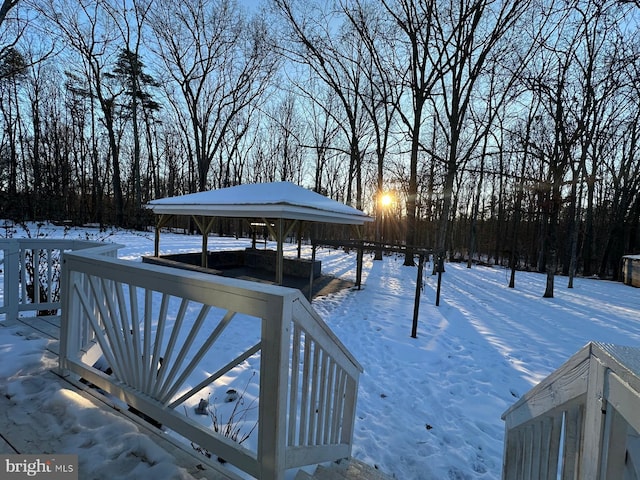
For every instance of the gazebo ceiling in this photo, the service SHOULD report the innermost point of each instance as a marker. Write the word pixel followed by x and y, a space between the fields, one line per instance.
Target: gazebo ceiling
pixel 280 200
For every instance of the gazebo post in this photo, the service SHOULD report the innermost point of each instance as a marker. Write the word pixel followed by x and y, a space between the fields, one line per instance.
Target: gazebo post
pixel 279 234
pixel 280 253
pixel 162 221
pixel 299 238
pixel 313 261
pixel 205 229
pixel 313 234
pixel 156 239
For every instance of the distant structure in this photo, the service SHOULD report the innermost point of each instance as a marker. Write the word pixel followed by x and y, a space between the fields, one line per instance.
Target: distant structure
pixel 631 270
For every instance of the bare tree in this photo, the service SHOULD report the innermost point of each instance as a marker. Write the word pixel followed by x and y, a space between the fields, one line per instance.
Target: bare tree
pixel 620 170
pixel 599 59
pixel 606 61
pixel 575 77
pixel 559 134
pixel 471 41
pixel 325 44
pixel 522 140
pixel 221 64
pixel 382 91
pixel 90 32
pixel 418 68
pixel 14 66
pixel 323 131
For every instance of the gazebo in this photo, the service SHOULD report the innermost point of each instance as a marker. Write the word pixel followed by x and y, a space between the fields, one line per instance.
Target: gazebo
pixel 280 205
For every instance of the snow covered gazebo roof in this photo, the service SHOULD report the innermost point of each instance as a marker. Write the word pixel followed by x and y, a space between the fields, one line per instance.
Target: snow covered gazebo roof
pixel 275 200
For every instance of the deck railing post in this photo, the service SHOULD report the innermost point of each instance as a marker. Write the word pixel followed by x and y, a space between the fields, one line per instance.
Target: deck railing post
pixel 594 421
pixel 11 278
pixel 66 291
pixel 349 414
pixel 274 373
pixel 72 329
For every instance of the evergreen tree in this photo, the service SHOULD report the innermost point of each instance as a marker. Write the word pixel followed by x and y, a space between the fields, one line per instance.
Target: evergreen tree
pixel 129 70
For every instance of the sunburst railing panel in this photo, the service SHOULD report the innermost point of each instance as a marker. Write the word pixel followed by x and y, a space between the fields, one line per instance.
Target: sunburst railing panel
pixel 163 340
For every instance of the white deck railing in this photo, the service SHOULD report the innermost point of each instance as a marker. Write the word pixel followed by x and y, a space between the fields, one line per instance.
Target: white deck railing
pixel 31 270
pixel 159 328
pixel 581 422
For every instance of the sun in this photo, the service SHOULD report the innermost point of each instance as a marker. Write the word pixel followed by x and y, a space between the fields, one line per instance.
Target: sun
pixel 386 200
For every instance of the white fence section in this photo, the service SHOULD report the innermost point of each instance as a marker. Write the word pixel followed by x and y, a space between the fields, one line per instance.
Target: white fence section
pixel 161 332
pixel 31 270
pixel 581 422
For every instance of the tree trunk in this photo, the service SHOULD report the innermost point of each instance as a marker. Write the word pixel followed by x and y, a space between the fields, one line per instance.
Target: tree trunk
pixel 412 194
pixel 574 233
pixel 551 241
pixel 115 160
pixel 517 214
pixel 476 208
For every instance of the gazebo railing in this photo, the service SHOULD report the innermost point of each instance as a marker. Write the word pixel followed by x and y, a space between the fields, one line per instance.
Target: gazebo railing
pixel 159 331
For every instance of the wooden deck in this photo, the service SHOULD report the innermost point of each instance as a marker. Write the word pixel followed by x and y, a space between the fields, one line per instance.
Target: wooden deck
pixel 20 438
pixel 46 327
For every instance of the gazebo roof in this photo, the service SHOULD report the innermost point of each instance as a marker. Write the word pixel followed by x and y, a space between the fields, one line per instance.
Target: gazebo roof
pixel 283 200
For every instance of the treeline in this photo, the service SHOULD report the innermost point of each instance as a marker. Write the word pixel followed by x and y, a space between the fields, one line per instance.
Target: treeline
pixel 507 131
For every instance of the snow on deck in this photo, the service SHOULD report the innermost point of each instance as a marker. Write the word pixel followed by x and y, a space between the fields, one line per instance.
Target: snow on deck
pixel 41 412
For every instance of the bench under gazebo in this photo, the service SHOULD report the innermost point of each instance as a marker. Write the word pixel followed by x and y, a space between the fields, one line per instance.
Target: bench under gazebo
pixel 278 207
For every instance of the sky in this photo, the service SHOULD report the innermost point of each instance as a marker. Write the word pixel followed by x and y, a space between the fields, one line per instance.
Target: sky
pixel 428 408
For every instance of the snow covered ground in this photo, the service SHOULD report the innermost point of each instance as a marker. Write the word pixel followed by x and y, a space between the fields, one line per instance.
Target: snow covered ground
pixel 428 408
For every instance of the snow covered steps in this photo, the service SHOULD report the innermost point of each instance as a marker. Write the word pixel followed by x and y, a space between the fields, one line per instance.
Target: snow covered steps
pixel 351 469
